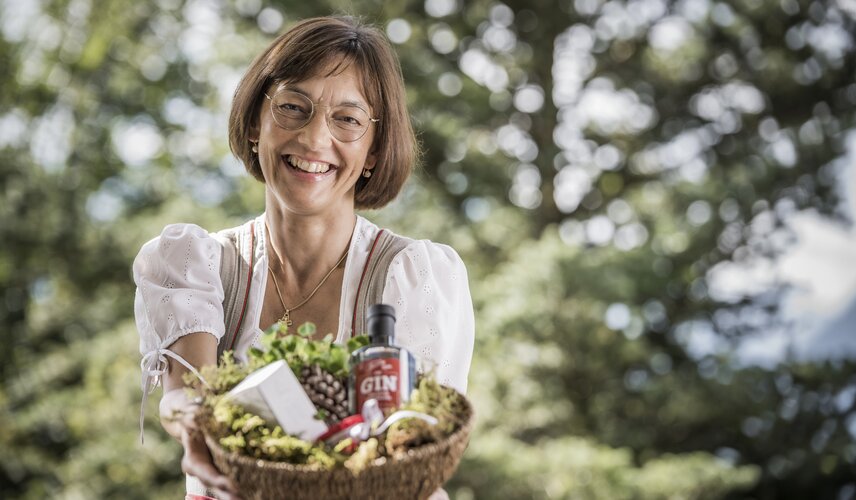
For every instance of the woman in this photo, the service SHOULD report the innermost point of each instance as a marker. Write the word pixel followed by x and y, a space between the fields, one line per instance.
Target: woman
pixel 320 118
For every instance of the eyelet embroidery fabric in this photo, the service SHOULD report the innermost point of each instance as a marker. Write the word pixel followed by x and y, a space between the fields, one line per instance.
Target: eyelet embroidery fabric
pixel 434 308
pixel 186 298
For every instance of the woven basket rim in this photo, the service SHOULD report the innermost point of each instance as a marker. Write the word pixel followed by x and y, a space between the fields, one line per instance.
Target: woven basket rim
pixel 410 455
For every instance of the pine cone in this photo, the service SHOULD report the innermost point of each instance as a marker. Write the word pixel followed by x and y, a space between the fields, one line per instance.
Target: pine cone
pixel 326 391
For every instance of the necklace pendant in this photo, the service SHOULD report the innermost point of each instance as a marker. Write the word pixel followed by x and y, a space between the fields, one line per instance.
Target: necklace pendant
pixel 286 318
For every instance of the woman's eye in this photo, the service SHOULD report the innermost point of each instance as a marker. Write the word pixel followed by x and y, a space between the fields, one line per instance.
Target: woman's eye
pixel 291 108
pixel 349 120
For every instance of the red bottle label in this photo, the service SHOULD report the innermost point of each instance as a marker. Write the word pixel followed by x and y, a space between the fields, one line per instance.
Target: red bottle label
pixel 379 379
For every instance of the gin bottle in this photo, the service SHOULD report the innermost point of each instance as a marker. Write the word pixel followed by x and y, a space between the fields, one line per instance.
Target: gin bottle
pixel 381 370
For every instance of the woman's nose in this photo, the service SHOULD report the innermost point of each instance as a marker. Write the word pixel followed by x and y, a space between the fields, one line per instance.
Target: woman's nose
pixel 316 134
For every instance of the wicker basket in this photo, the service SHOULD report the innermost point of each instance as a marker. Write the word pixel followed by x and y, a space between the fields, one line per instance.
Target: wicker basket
pixel 415 475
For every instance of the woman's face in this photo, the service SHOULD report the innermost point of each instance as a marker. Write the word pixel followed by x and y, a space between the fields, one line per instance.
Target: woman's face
pixel 309 171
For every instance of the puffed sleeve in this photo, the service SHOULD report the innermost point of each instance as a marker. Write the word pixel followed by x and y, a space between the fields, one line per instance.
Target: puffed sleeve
pixel 179 290
pixel 427 284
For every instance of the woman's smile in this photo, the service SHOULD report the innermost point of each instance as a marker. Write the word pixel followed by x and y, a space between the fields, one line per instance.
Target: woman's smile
pixel 311 166
pixel 302 169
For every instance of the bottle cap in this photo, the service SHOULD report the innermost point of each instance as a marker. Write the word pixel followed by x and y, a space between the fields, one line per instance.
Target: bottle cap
pixel 380 321
pixel 380 310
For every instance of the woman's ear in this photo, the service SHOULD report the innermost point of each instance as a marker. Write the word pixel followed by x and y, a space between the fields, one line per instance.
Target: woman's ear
pixel 253 134
pixel 253 137
pixel 371 160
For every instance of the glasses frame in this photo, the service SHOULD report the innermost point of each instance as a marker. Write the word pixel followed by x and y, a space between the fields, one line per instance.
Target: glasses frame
pixel 316 105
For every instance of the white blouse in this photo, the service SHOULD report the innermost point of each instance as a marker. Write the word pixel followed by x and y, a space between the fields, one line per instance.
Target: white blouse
pixel 179 291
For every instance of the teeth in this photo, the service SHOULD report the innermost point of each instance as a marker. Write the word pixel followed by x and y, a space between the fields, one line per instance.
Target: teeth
pixel 308 166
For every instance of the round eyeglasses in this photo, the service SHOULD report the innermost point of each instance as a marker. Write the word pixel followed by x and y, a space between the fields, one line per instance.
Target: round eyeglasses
pixel 292 111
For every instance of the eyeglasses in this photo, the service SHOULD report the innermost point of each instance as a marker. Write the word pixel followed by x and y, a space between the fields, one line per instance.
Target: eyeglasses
pixel 292 111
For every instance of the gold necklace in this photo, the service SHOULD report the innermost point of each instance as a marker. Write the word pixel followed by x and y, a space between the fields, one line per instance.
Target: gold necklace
pixel 286 316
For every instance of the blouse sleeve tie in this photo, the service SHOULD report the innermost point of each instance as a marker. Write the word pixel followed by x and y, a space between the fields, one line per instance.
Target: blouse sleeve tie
pixel 153 365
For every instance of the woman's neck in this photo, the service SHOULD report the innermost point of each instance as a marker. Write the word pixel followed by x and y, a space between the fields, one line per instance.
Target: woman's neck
pixel 303 248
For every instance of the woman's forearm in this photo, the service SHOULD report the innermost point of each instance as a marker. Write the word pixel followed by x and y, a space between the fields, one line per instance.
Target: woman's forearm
pixel 198 349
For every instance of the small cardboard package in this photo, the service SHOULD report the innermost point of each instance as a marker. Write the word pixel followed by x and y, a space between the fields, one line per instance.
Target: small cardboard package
pixel 275 394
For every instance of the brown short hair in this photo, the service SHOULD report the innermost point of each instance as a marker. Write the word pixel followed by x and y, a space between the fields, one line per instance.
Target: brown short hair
pixel 302 52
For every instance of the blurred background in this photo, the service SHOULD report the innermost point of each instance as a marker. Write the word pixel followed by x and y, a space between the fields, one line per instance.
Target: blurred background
pixel 655 201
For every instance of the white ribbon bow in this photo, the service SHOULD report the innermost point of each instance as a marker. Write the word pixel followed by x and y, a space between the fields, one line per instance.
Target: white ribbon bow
pixel 154 364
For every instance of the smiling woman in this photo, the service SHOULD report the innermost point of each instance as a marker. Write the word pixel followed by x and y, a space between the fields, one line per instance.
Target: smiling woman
pixel 319 118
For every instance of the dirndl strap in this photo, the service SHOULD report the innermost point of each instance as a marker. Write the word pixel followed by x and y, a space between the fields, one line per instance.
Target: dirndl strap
pixel 236 273
pixel 373 279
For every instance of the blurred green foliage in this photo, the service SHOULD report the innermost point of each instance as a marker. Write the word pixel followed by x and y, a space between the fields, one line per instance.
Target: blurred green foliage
pixel 592 161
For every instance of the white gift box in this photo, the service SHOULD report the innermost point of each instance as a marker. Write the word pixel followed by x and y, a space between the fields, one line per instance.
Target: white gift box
pixel 275 394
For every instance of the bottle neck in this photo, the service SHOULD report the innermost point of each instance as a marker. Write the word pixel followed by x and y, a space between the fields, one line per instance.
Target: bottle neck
pixel 381 339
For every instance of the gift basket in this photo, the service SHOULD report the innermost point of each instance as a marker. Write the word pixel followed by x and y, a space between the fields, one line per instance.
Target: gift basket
pixel 312 419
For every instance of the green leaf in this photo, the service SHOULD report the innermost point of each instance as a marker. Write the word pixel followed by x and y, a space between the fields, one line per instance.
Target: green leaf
pixel 307 329
pixel 355 343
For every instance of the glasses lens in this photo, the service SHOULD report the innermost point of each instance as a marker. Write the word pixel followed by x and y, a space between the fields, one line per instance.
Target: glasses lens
pixel 293 110
pixel 348 123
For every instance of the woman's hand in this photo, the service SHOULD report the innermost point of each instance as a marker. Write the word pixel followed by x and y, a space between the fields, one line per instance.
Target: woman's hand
pixel 198 463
